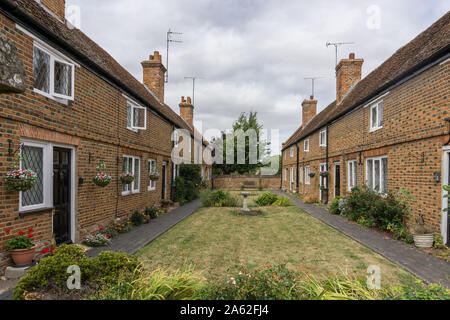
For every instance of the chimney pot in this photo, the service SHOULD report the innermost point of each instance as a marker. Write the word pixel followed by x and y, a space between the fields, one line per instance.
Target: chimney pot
pixel 351 56
pixel 311 98
pixel 189 100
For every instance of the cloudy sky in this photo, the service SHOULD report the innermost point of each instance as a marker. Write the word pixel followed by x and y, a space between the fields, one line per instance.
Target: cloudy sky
pixel 253 55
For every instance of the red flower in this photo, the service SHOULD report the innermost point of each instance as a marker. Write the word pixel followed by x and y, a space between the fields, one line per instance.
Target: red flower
pixel 21 233
pixel 45 250
pixel 100 229
pixel 30 229
pixel 8 231
pixel 30 235
pixel 108 236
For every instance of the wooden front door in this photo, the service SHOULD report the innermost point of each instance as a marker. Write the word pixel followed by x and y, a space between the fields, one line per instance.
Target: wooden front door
pixel 163 180
pixel 337 180
pixel 61 195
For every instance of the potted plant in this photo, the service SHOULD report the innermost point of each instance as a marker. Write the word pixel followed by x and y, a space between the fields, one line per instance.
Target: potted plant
pixel 102 179
pixel 127 177
pixel 423 236
pixel 154 176
pixel 21 248
pixel 20 179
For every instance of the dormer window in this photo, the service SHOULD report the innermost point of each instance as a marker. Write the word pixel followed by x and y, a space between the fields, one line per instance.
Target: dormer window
pixel 53 75
pixel 136 117
pixel 376 116
pixel 323 138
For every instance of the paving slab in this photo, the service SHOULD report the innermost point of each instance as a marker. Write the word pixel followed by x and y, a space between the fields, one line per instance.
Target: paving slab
pixel 421 264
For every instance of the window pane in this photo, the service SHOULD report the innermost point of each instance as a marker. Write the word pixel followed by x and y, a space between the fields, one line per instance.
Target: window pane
pixel 385 175
pixel 136 174
pixel 33 160
pixel 374 117
pixel 41 70
pixel 354 174
pixel 125 169
pixel 63 78
pixel 350 173
pixel 128 116
pixel 380 114
pixel 377 185
pixel 370 174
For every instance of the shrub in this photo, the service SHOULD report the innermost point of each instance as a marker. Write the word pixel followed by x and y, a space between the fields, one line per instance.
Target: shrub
pixel 153 212
pixel 266 199
pixel 50 275
pixel 310 200
pixel 137 218
pixel 270 283
pixel 334 206
pixel 188 184
pixel 180 285
pixel 372 210
pixel 282 201
pixel 418 291
pixel 218 198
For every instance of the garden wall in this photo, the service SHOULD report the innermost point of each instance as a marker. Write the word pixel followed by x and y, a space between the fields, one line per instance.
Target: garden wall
pixel 251 181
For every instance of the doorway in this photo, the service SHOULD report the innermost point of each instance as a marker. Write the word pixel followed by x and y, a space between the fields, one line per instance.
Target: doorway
pixel 62 194
pixel 337 179
pixel 446 201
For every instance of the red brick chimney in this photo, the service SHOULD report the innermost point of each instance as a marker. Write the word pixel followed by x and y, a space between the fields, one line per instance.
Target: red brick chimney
pixel 58 7
pixel 309 110
pixel 187 111
pixel 154 72
pixel 348 73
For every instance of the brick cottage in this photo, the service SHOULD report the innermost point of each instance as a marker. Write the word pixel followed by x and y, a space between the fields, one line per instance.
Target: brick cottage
pixel 67 105
pixel 387 131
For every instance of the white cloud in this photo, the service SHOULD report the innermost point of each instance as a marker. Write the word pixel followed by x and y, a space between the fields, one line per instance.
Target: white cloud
pixel 251 54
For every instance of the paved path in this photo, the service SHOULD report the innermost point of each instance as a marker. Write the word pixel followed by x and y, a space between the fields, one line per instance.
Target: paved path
pixel 423 265
pixel 139 237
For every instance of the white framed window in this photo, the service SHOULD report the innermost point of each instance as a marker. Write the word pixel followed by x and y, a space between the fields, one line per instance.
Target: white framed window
pixel 351 174
pixel 306 145
pixel 285 174
pixel 151 169
pixel 323 138
pixel 376 116
pixel 37 157
pixel 301 175
pixel 307 177
pixel 292 152
pixel 376 174
pixel 132 164
pixel 292 174
pixel 54 77
pixel 136 117
pixel 175 138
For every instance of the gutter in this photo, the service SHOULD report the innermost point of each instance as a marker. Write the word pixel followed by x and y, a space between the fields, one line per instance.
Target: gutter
pixel 13 12
pixel 424 65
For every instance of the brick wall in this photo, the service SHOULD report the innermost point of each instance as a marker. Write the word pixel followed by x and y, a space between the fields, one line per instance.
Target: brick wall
pixel 235 181
pixel 412 138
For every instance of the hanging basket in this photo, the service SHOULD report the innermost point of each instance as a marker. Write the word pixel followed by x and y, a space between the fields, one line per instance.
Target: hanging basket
pixel 324 174
pixel 127 178
pixel 21 179
pixel 154 176
pixel 102 179
pixel 312 175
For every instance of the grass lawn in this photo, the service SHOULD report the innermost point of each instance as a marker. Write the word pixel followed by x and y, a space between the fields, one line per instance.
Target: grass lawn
pixel 215 239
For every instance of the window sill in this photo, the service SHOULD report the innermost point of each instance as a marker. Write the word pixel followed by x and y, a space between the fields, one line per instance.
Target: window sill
pixel 49 96
pixel 375 129
pixel 24 213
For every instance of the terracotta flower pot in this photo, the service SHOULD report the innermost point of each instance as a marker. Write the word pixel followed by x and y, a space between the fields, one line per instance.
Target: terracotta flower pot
pixel 23 257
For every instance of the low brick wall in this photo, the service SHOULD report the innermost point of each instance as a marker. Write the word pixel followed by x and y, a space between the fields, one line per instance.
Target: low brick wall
pixel 250 181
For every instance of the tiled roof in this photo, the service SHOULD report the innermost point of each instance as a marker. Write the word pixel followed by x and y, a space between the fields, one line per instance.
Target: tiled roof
pixel 434 40
pixel 87 47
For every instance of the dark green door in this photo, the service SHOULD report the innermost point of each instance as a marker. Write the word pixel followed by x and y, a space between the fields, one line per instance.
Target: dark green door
pixel 61 195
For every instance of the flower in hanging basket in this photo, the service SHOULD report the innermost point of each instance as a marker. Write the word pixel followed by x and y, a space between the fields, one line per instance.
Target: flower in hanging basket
pixel 21 179
pixel 324 174
pixel 311 175
pixel 154 176
pixel 127 177
pixel 102 179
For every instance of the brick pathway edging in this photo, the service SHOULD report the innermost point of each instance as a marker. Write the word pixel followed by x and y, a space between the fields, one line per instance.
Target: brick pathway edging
pixel 421 264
